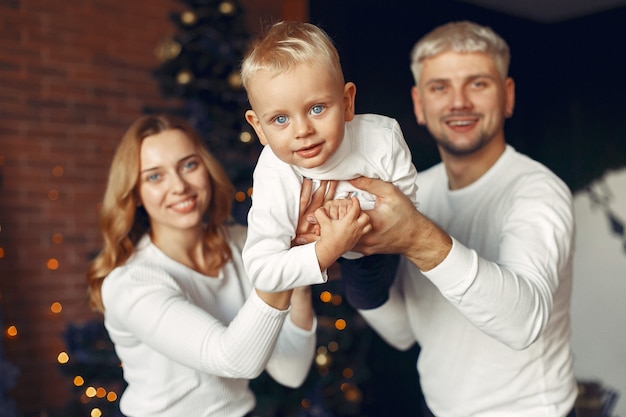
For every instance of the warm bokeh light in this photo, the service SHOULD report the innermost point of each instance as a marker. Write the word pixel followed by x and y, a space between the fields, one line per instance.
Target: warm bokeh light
pixel 336 301
pixel 56 307
pixel 12 331
pixel 333 346
pixel 52 264
pixel 111 397
pixel 347 373
pixel 245 137
pixel 340 324
pixel 250 192
pixel 326 296
pixel 227 8
pixel 1 252
pixel 53 195
pixel 101 392
pixel 57 171
pixel 353 395
pixel 63 357
pixel 57 238
pixel 96 412
pixel 79 381
pixel 90 392
pixel 240 196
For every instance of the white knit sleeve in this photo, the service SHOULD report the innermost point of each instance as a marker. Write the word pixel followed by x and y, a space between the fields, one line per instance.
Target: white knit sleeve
pixel 148 303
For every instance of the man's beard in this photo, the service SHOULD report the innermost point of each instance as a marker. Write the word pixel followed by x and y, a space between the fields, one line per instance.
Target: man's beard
pixel 468 148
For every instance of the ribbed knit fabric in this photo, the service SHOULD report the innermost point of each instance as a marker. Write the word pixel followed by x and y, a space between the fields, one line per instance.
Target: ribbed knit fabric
pixel 492 319
pixel 189 343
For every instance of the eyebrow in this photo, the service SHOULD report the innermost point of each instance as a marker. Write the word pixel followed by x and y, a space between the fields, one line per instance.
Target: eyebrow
pixel 181 160
pixel 470 77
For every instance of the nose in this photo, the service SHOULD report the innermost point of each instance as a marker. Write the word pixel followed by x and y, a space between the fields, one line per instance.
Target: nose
pixel 303 127
pixel 178 183
pixel 460 99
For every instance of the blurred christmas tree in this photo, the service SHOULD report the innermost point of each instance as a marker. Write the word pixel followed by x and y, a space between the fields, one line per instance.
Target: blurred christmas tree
pixel 8 378
pixel 94 368
pixel 199 70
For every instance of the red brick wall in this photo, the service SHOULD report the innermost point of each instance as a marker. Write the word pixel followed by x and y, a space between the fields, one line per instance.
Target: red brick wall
pixel 73 75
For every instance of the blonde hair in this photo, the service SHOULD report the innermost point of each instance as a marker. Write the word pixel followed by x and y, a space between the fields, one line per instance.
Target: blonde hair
pixel 286 45
pixel 461 36
pixel 123 222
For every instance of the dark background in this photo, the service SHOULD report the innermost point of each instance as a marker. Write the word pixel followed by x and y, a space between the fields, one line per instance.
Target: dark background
pixel 570 77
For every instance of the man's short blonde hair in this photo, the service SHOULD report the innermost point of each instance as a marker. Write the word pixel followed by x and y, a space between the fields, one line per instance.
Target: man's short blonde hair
pixel 461 36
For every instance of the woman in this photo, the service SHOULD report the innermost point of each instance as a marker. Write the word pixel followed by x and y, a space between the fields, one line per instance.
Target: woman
pixel 187 325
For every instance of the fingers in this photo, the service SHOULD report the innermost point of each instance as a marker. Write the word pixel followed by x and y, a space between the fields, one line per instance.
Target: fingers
pixel 373 186
pixel 305 193
pixel 332 189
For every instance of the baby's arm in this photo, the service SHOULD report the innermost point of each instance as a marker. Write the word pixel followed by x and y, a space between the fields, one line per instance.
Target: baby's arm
pixel 342 224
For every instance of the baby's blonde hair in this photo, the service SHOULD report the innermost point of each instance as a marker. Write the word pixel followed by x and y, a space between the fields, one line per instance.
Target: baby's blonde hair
pixel 286 45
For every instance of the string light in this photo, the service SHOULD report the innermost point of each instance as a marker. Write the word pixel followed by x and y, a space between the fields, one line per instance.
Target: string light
pixel 53 195
pixel 245 137
pixel 340 324
pixel 227 8
pixel 52 264
pixel 63 358
pixel 184 77
pixel 11 331
pixel 56 307
pixel 188 18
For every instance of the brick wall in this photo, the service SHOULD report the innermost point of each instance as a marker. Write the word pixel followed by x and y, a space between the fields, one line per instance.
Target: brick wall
pixel 73 75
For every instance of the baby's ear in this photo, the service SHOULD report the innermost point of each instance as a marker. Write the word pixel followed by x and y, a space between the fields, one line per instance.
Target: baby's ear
pixel 253 120
pixel 349 93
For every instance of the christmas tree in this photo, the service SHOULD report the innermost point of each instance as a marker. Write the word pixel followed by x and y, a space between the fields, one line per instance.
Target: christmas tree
pixel 8 378
pixel 200 71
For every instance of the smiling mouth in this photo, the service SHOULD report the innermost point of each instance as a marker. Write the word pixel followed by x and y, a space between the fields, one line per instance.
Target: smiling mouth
pixel 460 122
pixel 184 205
pixel 310 151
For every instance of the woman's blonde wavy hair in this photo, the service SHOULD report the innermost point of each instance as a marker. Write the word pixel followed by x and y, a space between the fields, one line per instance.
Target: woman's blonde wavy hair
pixel 123 221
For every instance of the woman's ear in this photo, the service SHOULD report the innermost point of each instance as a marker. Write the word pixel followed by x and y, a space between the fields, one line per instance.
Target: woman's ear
pixel 253 121
pixel 349 93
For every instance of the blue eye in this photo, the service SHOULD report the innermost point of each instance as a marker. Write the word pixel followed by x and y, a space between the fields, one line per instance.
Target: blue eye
pixel 190 165
pixel 153 177
pixel 317 109
pixel 281 120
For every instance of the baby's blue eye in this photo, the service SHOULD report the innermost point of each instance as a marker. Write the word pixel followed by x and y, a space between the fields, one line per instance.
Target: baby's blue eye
pixel 153 177
pixel 281 120
pixel 317 109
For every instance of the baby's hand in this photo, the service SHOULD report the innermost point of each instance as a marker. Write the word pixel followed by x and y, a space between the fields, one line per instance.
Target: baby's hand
pixel 338 209
pixel 342 224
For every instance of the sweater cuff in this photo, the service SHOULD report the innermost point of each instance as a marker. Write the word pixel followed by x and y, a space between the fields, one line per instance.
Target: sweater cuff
pixel 456 273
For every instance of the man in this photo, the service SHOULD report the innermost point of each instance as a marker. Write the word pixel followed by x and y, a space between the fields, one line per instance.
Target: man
pixel 485 281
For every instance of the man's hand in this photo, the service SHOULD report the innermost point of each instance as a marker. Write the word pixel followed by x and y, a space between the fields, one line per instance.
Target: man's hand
pixel 398 227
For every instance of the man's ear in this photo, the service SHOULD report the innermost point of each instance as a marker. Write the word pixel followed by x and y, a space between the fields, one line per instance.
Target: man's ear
pixel 253 120
pixel 509 97
pixel 418 108
pixel 349 93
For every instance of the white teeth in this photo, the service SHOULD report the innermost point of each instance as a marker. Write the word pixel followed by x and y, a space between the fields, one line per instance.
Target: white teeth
pixel 184 204
pixel 460 123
